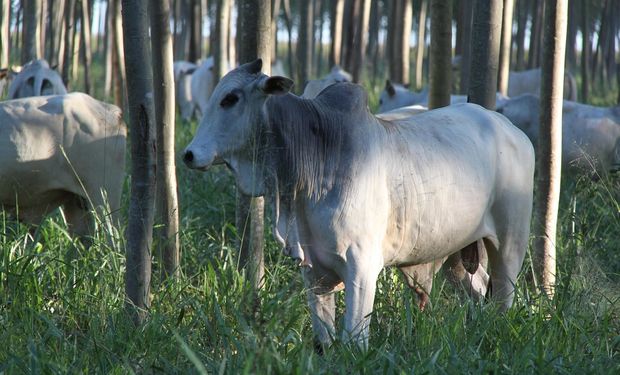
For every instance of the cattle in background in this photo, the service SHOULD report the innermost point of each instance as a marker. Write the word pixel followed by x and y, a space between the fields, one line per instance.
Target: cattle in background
pixel 183 72
pixel 61 150
pixel 590 135
pixel 36 79
pixel 528 82
pixel 396 96
pixel 314 87
pixel 354 193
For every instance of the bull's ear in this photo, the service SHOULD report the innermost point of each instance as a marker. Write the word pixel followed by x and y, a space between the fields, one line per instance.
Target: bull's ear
pixel 276 85
pixel 390 88
pixel 253 67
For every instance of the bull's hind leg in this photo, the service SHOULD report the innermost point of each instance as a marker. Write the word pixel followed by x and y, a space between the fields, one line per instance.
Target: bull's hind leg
pixel 505 263
pixel 466 269
pixel 420 279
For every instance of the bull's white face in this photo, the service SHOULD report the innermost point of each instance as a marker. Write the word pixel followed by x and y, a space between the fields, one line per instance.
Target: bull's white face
pixel 230 130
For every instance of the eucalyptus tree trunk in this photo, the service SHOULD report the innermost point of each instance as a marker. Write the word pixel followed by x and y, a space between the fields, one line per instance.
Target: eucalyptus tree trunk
pixel 486 32
pixel 275 12
pixel 5 41
pixel 118 58
pixel 288 19
pixel 505 44
pixel 550 144
pixel 522 12
pixel 571 34
pixel 337 15
pixel 143 164
pixel 465 68
pixel 55 46
pixel 167 206
pixel 404 52
pixel 319 38
pixel 419 54
pixel 586 48
pixel 440 54
pixel 195 31
pixel 535 35
pixel 75 58
pixel 108 50
pixel 86 45
pixel 304 41
pixel 361 39
pixel 31 32
pixel 220 47
pixel 255 43
pixel 69 46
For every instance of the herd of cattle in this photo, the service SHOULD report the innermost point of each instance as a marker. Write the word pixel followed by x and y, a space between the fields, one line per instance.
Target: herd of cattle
pixel 353 191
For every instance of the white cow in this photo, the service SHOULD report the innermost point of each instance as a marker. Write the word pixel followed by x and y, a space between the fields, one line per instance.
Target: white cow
pixel 529 81
pixel 35 79
pixel 590 135
pixel 62 150
pixel 314 87
pixel 354 193
pixel 395 96
pixel 183 72
pixel 202 85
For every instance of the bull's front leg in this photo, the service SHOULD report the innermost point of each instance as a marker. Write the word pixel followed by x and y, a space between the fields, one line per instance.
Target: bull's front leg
pixel 322 310
pixel 360 286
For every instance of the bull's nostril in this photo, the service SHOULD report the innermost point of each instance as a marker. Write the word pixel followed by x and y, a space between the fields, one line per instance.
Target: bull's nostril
pixel 188 157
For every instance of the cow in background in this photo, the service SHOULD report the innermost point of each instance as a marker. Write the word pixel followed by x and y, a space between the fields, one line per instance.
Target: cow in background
pixel 61 150
pixel 314 87
pixel 183 72
pixel 36 79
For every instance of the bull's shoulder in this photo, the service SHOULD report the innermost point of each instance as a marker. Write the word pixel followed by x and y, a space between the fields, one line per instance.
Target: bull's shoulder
pixel 344 97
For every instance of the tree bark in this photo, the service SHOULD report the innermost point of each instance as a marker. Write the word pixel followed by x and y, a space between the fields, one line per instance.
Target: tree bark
pixel 440 54
pixel 86 45
pixel 419 59
pixel 523 7
pixel 586 48
pixel 69 46
pixel 550 143
pixel 167 208
pixel 5 41
pixel 361 39
pixel 254 43
pixel 195 31
pixel 118 58
pixel 486 34
pixel 336 31
pixel 109 49
pixel 141 205
pixel 466 56
pixel 304 42
pixel 535 36
pixel 505 44
pixel 288 19
pixel 220 48
pixel 31 33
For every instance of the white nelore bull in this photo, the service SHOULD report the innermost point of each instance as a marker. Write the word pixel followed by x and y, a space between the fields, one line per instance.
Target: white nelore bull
pixel 528 82
pixel 354 193
pixel 36 79
pixel 314 87
pixel 63 150
pixel 590 135
pixel 183 72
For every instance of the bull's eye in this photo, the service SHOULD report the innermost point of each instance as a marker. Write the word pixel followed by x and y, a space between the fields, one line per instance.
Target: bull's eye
pixel 229 100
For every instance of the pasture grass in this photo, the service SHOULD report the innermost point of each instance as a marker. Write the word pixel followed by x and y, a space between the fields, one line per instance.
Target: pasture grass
pixel 62 305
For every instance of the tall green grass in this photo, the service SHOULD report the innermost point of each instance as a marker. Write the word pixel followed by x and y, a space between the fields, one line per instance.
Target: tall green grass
pixel 62 305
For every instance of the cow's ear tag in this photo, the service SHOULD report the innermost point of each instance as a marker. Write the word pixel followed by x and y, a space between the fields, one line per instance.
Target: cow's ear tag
pixel 277 85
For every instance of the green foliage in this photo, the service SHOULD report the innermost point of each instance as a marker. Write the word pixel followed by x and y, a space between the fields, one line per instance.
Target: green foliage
pixel 62 305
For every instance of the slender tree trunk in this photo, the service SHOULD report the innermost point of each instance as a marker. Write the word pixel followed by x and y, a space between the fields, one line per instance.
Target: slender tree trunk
pixel 220 47
pixel 487 28
pixel 505 44
pixel 292 69
pixel 195 31
pixel 31 33
pixel 319 54
pixel 275 13
pixel 571 34
pixel 336 32
pixel 586 48
pixel 373 39
pixel 361 39
pixel 466 56
pixel 5 41
pixel 69 47
pixel 42 28
pixel 86 45
pixel 419 59
pixel 118 58
pixel 352 14
pixel 440 53
pixel 523 6
pixel 143 164
pixel 535 36
pixel 304 41
pixel 254 43
pixel 75 58
pixel 232 50
pixel 550 143
pixel 167 207
pixel 109 49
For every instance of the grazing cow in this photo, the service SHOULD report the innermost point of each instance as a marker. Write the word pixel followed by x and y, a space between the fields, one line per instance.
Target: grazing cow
pixel 183 72
pixel 61 150
pixel 314 87
pixel 528 82
pixel 354 193
pixel 396 96
pixel 590 135
pixel 36 79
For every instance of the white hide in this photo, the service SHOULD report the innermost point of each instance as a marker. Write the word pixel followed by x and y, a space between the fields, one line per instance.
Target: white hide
pixel 183 72
pixel 36 79
pixel 314 87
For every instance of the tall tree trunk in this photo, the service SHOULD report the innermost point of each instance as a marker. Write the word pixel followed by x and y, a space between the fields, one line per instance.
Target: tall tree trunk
pixel 109 49
pixel 374 29
pixel 255 43
pixel 31 33
pixel 167 208
pixel 440 54
pixel 220 47
pixel 143 164
pixel 466 56
pixel 75 58
pixel 118 58
pixel 319 52
pixel 361 39
pixel 586 48
pixel 535 35
pixel 304 42
pixel 195 31
pixel 350 26
pixel 86 45
pixel 523 6
pixel 5 41
pixel 69 46
pixel 487 28
pixel 550 143
pixel 571 34
pixel 336 31
pixel 505 44
pixel 419 57
pixel 289 28
pixel 275 13
pixel 42 28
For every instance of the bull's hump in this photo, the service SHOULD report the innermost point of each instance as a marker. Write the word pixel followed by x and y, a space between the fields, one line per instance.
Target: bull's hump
pixel 346 97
